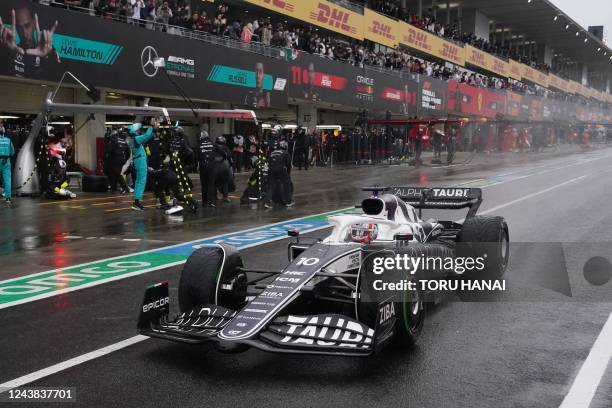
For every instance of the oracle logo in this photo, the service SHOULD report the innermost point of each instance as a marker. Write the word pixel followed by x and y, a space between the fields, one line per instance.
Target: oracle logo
pixel 365 80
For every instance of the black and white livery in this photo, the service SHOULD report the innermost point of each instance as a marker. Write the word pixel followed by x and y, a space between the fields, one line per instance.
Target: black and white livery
pixel 323 301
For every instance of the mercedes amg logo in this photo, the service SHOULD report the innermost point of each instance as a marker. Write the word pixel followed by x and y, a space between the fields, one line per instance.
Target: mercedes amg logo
pixel 147 61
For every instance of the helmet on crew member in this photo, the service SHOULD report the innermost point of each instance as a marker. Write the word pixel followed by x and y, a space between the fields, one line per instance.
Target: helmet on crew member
pixel 135 127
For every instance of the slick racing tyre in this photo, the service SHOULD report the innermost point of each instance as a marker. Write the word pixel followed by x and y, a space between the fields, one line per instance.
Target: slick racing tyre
pixel 408 307
pixel 487 238
pixel 212 276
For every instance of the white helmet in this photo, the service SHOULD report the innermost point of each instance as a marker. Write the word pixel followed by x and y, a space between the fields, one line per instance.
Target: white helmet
pixel 364 233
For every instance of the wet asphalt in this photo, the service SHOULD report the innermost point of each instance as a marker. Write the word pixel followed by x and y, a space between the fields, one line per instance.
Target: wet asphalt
pixel 522 351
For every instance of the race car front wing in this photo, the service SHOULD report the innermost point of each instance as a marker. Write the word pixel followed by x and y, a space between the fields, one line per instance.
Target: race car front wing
pixel 326 334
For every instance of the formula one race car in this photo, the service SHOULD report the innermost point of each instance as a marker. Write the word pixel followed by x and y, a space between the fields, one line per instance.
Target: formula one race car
pixel 323 301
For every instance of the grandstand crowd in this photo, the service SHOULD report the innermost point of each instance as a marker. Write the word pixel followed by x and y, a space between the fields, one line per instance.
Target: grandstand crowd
pixel 220 20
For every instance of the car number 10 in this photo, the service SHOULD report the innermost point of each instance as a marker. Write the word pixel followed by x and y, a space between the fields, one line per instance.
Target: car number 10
pixel 307 261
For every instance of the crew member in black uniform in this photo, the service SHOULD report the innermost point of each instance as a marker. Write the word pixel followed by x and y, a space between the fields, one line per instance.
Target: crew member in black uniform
pixel 117 153
pixel 222 167
pixel 280 187
pixel 300 150
pixel 165 182
pixel 206 149
pixel 180 154
pixel 157 149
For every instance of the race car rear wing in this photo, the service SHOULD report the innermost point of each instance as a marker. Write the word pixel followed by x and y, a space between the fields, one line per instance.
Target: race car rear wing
pixel 436 198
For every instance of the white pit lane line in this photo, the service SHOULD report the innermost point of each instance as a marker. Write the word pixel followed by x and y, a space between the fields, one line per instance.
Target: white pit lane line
pixel 589 377
pixel 64 365
pixel 602 349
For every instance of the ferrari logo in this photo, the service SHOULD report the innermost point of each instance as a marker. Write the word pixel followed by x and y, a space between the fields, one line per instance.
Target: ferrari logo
pixel 479 101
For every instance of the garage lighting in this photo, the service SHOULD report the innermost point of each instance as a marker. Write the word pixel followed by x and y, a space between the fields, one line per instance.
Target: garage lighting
pixel 599 49
pixel 329 127
pixel 577 33
pixel 8 117
pixel 59 123
pixel 567 26
pixel 586 40
pixel 556 18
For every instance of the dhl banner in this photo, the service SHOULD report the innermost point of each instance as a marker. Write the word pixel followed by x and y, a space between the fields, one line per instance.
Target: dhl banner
pixel 528 73
pixel 535 76
pixel 558 83
pixel 542 79
pixel 381 29
pixel 571 86
pixel 332 17
pixel 599 95
pixel 431 44
pixel 486 61
pixel 515 70
pixel 322 13
pixel 583 90
pixel 286 7
pixel 593 93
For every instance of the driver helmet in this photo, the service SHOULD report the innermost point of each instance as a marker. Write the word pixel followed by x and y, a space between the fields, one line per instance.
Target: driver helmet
pixel 364 233
pixel 221 140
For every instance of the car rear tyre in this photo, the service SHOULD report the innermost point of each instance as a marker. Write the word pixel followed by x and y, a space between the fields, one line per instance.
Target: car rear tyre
pixel 207 277
pixel 487 238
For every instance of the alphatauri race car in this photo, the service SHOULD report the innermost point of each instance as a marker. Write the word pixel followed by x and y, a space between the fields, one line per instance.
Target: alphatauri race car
pixel 324 301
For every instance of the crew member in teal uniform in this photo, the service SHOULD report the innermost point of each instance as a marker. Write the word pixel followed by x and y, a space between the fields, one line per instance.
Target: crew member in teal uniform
pixel 6 152
pixel 139 155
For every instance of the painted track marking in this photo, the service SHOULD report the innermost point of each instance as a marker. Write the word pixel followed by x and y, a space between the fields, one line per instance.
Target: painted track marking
pixel 591 373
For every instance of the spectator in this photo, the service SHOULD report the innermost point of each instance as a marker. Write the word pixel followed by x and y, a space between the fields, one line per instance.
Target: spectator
pixel 247 33
pixel 164 14
pixel 266 36
pixel 137 9
pixel 200 22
